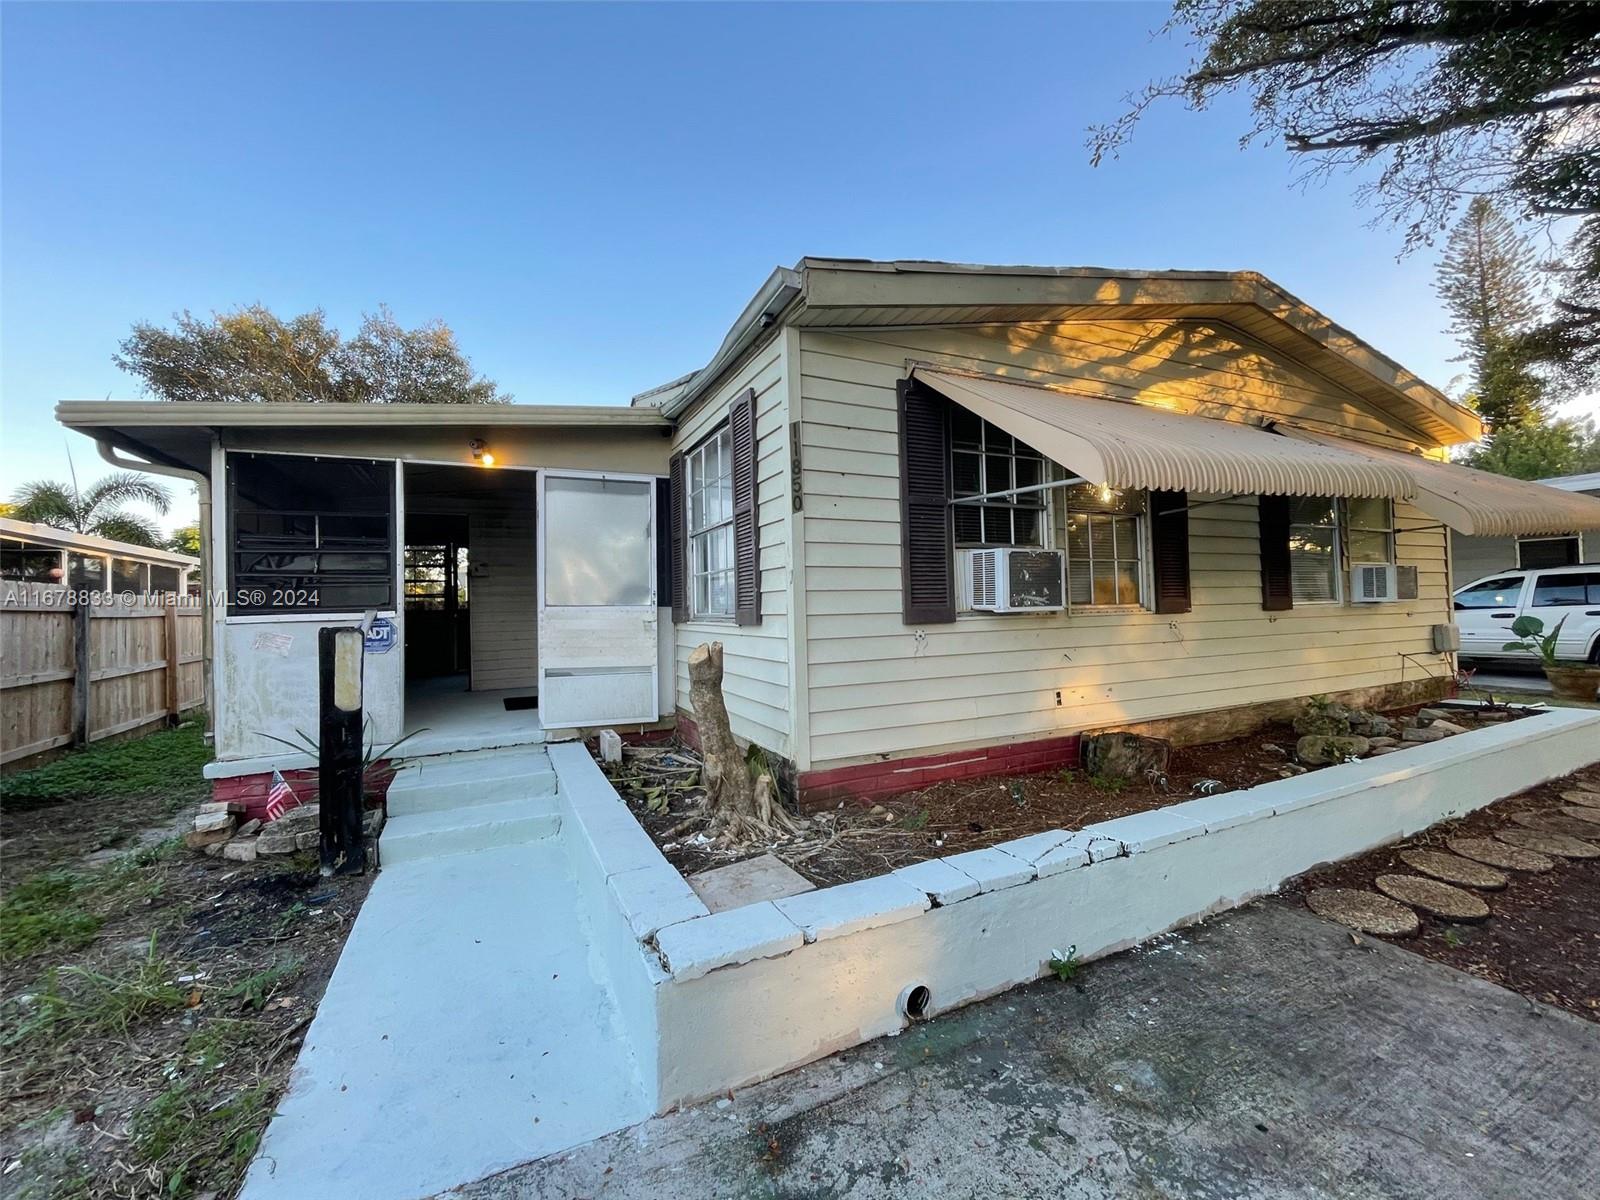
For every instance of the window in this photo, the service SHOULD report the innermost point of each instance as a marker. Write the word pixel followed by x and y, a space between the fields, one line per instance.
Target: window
pixel 1105 539
pixel 1533 553
pixel 127 575
pixel 1327 536
pixel 709 468
pixel 1491 593
pixel 1574 589
pixel 985 459
pixel 87 572
pixel 597 542
pixel 163 580
pixel 310 533
pixel 29 562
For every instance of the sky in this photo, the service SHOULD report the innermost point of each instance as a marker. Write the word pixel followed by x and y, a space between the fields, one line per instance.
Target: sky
pixel 588 195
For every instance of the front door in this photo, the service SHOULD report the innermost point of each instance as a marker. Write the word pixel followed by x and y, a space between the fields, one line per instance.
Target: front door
pixel 597 600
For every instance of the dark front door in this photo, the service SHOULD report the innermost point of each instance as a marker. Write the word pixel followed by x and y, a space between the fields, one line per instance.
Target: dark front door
pixel 438 636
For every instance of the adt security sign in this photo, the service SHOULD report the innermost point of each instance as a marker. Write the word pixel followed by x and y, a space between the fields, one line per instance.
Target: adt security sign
pixel 380 636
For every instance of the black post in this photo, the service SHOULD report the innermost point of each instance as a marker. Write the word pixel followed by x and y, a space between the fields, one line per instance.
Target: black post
pixel 339 656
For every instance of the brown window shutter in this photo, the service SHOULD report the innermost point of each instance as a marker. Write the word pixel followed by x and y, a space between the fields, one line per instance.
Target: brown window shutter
pixel 1169 550
pixel 927 540
pixel 746 532
pixel 1277 587
pixel 677 536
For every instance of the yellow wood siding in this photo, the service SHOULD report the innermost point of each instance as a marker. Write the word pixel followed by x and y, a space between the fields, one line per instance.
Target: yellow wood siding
pixel 876 686
pixel 756 663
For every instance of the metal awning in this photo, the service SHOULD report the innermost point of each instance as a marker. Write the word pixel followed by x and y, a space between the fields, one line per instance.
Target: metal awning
pixel 1126 445
pixel 1476 502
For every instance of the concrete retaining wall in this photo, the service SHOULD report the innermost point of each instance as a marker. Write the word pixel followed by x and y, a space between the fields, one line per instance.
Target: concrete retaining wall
pixel 715 1001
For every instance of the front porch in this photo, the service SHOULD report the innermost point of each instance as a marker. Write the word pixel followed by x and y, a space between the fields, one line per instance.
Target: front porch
pixel 442 716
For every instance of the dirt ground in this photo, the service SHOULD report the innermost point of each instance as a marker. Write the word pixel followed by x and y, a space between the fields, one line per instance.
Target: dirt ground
pixel 153 1000
pixel 857 841
pixel 1542 938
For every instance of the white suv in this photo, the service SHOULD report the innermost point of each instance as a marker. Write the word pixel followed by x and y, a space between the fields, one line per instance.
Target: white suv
pixel 1486 608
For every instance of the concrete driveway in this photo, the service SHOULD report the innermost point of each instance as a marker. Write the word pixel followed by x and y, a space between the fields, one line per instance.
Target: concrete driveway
pixel 1266 1054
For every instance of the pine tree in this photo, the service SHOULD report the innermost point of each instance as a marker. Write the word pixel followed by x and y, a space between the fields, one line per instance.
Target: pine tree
pixel 1488 281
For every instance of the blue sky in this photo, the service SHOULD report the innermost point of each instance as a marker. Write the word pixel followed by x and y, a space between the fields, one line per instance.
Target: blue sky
pixel 588 195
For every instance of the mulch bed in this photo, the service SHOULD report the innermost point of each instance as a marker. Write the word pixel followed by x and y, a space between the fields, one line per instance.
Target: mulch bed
pixel 1542 938
pixel 856 841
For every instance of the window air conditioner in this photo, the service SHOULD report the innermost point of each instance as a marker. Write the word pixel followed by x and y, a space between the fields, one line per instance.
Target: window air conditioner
pixel 1016 580
pixel 1373 583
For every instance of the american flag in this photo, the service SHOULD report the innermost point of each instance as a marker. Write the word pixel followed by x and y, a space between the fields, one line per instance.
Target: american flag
pixel 281 798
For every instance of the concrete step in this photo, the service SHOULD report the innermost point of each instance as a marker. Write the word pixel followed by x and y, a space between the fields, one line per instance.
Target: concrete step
pixel 449 781
pixel 463 830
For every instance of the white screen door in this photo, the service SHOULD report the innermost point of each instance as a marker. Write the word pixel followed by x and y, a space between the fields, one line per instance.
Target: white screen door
pixel 597 600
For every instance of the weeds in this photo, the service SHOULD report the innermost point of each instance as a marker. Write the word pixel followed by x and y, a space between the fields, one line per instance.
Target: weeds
pixel 45 910
pixel 1111 785
pixel 80 999
pixel 915 821
pixel 1064 966
pixel 190 1138
pixel 117 769
pixel 254 991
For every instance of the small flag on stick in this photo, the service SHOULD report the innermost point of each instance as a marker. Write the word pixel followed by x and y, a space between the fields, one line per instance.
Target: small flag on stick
pixel 281 798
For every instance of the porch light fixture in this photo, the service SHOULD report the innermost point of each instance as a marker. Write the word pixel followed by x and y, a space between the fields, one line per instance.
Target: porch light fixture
pixel 480 452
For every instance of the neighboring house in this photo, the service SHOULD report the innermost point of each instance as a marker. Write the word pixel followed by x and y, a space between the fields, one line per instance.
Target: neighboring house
pixel 1209 502
pixel 1476 557
pixel 44 555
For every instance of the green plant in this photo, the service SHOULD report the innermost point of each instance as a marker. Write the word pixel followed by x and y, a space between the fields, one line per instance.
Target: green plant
pixel 1111 785
pixel 81 999
pixel 1452 938
pixel 1064 966
pixel 915 821
pixel 370 754
pixel 255 990
pixel 168 762
pixel 45 910
pixel 191 1139
pixel 1534 640
pixel 756 762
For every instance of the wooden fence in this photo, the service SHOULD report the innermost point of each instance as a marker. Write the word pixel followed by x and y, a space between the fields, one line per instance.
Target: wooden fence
pixel 74 674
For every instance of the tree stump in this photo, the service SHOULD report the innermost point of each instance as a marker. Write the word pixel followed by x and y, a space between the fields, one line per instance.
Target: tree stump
pixel 741 811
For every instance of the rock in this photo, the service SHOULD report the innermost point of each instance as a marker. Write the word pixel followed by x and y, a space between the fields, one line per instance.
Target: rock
pixel 1452 868
pixel 199 839
pixel 275 840
pixel 299 818
pixel 1555 823
pixel 1369 725
pixel 1366 911
pixel 205 822
pixel 1124 755
pixel 1448 726
pixel 1585 798
pixel 1427 716
pixel 1499 854
pixel 1557 844
pixel 1419 734
pixel 308 839
pixel 372 822
pixel 1290 770
pixel 1274 748
pixel 1431 896
pixel 1493 714
pixel 1321 719
pixel 250 828
pixel 1383 742
pixel 1577 812
pixel 240 850
pixel 235 807
pixel 1317 750
pixel 1381 750
pixel 214 850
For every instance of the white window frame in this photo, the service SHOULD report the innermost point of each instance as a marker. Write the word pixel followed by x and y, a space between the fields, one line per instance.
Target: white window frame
pixel 1034 502
pixel 1141 533
pixel 1343 561
pixel 714 534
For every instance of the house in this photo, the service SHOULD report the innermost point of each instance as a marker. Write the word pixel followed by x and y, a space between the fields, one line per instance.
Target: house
pixel 42 555
pixel 1476 557
pixel 944 519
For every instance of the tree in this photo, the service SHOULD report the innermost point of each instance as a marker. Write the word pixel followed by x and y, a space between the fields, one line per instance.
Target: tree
pixel 1447 99
pixel 1539 451
pixel 1488 283
pixel 185 540
pixel 253 355
pixel 741 811
pixel 99 510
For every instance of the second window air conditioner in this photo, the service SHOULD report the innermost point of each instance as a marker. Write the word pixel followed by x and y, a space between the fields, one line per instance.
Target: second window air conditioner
pixel 1011 579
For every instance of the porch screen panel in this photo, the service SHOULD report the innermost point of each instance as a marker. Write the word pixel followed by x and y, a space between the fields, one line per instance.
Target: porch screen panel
pixel 310 534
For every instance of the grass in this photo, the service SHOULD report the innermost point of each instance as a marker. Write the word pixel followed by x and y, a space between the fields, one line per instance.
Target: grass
pixel 45 910
pixel 188 1135
pixel 78 1000
pixel 151 764
pixel 255 990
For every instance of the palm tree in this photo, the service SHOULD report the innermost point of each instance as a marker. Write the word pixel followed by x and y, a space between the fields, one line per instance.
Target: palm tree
pixel 99 510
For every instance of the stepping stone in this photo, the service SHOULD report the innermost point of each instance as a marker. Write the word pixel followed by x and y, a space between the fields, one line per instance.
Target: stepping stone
pixel 1578 813
pixel 1452 868
pixel 1366 911
pixel 1499 854
pixel 1587 799
pixel 1431 896
pixel 765 877
pixel 1553 823
pixel 1558 844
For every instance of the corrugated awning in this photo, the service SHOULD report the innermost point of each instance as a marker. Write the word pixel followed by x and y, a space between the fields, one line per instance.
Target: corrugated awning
pixel 1476 502
pixel 1127 445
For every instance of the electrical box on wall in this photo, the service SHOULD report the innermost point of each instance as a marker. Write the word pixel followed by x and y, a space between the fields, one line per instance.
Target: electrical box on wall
pixel 1016 580
pixel 1446 639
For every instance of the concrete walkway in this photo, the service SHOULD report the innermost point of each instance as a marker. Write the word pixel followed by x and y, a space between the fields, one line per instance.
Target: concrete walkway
pixel 462 1032
pixel 1264 1055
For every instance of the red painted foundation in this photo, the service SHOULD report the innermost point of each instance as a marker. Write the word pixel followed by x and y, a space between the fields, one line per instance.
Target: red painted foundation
pixel 871 781
pixel 251 790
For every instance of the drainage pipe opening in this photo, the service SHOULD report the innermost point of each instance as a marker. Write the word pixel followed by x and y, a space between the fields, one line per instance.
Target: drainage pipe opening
pixel 915 1002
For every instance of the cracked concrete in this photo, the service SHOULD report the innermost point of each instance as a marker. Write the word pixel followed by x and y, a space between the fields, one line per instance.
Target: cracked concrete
pixel 1263 1055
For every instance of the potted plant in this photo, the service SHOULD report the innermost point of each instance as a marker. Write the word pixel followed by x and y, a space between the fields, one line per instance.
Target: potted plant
pixel 1571 680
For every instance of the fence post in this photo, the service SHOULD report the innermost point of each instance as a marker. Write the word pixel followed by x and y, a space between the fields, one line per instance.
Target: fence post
pixel 80 673
pixel 174 658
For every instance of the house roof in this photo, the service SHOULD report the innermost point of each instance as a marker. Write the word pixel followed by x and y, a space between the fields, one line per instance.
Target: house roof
pixel 835 293
pixel 49 535
pixel 1589 482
